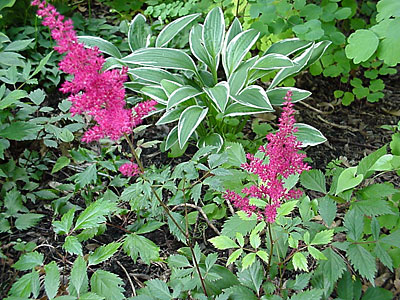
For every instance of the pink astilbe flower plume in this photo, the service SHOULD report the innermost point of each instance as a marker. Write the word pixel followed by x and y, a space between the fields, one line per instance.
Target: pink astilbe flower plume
pixel 98 93
pixel 284 160
pixel 129 169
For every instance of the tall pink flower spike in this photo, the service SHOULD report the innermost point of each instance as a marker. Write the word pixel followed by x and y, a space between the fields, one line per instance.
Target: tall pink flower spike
pixel 284 160
pixel 98 93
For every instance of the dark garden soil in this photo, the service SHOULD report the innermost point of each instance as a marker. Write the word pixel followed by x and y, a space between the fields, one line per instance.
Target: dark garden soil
pixel 352 132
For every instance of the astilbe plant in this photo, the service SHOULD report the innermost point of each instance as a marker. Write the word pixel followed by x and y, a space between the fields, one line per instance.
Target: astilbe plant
pixel 284 160
pixel 98 93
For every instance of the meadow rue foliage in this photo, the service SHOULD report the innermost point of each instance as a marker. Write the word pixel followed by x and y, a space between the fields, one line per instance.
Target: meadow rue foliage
pixel 98 93
pixel 284 160
pixel 129 169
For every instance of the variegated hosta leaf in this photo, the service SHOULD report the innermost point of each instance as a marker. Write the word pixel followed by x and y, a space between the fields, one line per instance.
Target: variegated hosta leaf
pixel 288 46
pixel 276 95
pixel 173 28
pixel 153 75
pixel 219 94
pixel 240 77
pixel 182 94
pixel 253 96
pixel 189 120
pixel 138 33
pixel 273 61
pixel 167 58
pixel 197 46
pixel 237 48
pixel 213 32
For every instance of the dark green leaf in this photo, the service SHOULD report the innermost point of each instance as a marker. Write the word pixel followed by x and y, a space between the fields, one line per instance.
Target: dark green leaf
pixel 313 180
pixel 108 285
pixel 29 261
pixel 51 280
pixel 103 253
pixel 363 261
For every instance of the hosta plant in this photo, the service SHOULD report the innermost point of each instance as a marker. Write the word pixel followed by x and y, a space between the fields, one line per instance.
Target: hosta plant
pixel 210 88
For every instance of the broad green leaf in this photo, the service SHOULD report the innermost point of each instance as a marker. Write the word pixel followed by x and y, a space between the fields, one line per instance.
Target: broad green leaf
pixel 214 139
pixel 178 261
pixel 18 45
pixel 29 261
pixel 300 262
pixel 366 164
pixel 154 75
pixel 189 120
pixel 169 86
pixel 20 130
pixel 361 45
pixel 387 9
pixel 103 45
pixel 103 253
pixel 362 261
pixel 88 176
pixel 213 31
pixel 323 237
pixel 139 246
pixel 94 214
pixel 234 30
pixel 161 58
pixel 72 245
pixel 273 61
pixel 89 296
pixel 108 285
pixel 314 294
pixel 78 273
pixel 318 50
pixel 223 242
pixel 237 48
pixel 61 162
pixel 219 94
pixel 288 46
pixel 181 95
pixel 248 260
pixel 348 180
pixel 150 226
pixel 65 135
pixel 313 180
pixel 138 35
pixel 308 135
pixel 393 239
pixel 373 293
pixel 173 28
pixel 51 280
pixel 354 223
pixel 253 96
pixel 64 226
pixel 327 209
pixel 391 40
pixel 11 98
pixel 159 288
pixel 276 95
pixel 37 96
pixel 7 3
pixel 25 221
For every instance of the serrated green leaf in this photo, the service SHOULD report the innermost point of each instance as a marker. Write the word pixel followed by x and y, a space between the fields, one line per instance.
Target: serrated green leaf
pixel 372 208
pixel 72 245
pixel 223 242
pixel 139 246
pixel 286 208
pixel 178 261
pixel 42 63
pixel 363 261
pixel 248 260
pixel 78 274
pixel 334 266
pixel 327 209
pixel 103 253
pixel 252 277
pixel 20 130
pixel 108 285
pixel 25 221
pixel 11 98
pixel 263 255
pixel 323 237
pixel 380 293
pixel 315 294
pixel 159 288
pixel 316 253
pixel 23 286
pixel 299 262
pixel 94 214
pixel 51 280
pixel 236 224
pixel 236 154
pixel 354 223
pixel 63 226
pixel 29 261
pixel 383 256
pixel 393 239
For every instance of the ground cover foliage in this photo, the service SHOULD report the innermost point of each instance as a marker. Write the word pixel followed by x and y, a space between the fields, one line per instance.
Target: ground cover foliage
pixel 212 197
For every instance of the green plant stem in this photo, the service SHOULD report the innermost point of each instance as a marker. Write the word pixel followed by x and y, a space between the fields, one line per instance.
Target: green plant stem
pixel 168 212
pixel 271 249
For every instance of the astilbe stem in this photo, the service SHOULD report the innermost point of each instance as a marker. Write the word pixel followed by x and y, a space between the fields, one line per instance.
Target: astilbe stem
pixel 284 160
pixel 98 93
